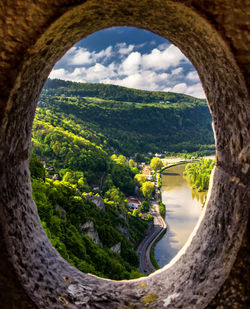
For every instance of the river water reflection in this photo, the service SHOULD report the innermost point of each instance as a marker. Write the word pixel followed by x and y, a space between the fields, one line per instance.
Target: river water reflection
pixel 183 208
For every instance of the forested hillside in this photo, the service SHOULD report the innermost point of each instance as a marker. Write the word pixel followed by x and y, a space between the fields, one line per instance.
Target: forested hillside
pixel 130 121
pixel 67 214
pixel 80 195
pixel 115 93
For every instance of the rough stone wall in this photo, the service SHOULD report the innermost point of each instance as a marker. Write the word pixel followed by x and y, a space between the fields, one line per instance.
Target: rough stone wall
pixel 215 36
pixel 236 289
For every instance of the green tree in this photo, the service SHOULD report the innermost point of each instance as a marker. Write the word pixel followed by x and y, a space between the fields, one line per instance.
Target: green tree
pixel 145 206
pixel 56 147
pixel 147 189
pixel 156 164
pixel 149 217
pixel 114 195
pixel 121 160
pixel 135 213
pixel 131 163
pixel 140 178
pixel 36 167
pixel 132 166
pixel 198 173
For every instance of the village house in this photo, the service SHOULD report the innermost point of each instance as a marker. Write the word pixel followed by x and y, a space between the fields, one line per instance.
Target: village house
pixel 142 165
pixel 165 102
pixel 159 155
pixel 149 177
pixel 133 202
pixel 95 187
pixel 147 171
pixel 56 177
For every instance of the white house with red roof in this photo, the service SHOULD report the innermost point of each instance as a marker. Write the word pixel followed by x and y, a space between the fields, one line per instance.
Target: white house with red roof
pixel 133 202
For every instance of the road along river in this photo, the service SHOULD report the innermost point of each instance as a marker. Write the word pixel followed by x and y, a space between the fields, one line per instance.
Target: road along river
pixel 183 208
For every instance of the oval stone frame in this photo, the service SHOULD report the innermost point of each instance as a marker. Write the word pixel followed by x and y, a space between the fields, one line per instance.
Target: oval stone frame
pixel 32 272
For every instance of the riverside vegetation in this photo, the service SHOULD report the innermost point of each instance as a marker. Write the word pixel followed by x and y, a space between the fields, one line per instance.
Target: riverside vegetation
pixel 76 130
pixel 198 173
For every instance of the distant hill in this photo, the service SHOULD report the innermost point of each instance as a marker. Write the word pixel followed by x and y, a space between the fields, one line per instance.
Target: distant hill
pixel 116 93
pixel 131 121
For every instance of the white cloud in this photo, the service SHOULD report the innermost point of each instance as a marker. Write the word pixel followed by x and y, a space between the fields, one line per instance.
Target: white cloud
pixel 77 75
pixel 58 73
pixel 146 80
pixel 182 87
pixel 93 73
pixel 162 60
pixel 193 76
pixel 156 60
pixel 159 69
pixel 125 49
pixel 177 71
pixel 99 72
pixel 163 46
pixel 195 90
pixel 105 53
pixel 82 56
pixel 131 64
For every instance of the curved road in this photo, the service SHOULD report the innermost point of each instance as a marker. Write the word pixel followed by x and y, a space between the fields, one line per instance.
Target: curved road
pixel 144 247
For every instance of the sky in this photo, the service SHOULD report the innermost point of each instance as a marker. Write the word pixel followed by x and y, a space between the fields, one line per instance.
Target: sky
pixel 129 57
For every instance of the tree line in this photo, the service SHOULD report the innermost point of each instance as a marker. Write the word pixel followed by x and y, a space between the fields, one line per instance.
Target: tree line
pixel 198 173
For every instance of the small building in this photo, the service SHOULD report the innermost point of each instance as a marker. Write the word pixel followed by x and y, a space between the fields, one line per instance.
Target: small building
pixel 133 202
pixel 146 170
pixel 143 215
pixel 56 177
pixel 149 177
pixel 142 165
pixel 158 155
pixel 95 187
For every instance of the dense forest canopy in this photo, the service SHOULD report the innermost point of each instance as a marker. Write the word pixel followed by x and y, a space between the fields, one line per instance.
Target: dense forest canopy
pixel 131 121
pixel 66 204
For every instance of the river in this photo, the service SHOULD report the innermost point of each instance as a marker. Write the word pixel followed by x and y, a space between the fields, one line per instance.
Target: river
pixel 183 208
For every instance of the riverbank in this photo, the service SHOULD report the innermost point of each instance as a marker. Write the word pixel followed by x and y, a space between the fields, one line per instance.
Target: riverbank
pixel 146 249
pixel 183 208
pixel 152 255
pixel 173 162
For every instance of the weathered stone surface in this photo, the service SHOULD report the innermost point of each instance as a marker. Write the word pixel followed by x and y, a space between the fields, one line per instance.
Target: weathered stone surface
pixel 213 268
pixel 61 211
pixel 97 200
pixel 89 230
pixel 124 230
pixel 116 248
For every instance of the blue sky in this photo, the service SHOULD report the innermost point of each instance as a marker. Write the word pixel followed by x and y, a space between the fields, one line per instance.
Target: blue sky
pixel 132 58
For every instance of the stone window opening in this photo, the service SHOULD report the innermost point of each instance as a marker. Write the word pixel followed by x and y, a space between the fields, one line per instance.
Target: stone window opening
pixel 33 275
